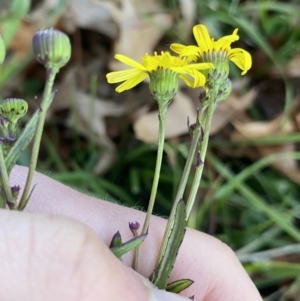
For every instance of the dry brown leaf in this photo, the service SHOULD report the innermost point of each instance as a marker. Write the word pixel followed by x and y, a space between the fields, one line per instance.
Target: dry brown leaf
pixel 288 167
pixel 88 14
pixel 188 12
pixel 22 41
pixel 255 129
pixel 90 122
pixel 41 12
pixel 90 114
pixel 258 129
pixel 293 67
pixel 146 126
pixel 230 108
pixel 137 34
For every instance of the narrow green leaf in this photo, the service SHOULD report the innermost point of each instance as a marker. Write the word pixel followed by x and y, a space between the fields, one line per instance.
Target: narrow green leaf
pixel 179 285
pixel 128 245
pixel 21 143
pixel 281 219
pixel 163 270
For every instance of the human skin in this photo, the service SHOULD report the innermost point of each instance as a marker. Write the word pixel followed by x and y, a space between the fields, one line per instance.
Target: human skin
pixel 57 250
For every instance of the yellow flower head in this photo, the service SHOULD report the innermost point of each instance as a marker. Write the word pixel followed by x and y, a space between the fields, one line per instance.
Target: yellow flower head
pixel 218 52
pixel 163 70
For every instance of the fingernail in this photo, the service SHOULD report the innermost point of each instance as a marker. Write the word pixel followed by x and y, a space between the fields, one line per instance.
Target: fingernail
pixel 160 295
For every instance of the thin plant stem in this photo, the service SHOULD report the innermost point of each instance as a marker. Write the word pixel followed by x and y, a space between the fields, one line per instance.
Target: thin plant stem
pixel 4 182
pixel 51 73
pixel 203 148
pixel 187 168
pixel 196 134
pixel 162 108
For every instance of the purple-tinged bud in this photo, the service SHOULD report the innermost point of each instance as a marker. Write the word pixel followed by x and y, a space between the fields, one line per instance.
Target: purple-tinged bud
pixel 4 122
pixel 8 140
pixel 15 191
pixel 51 48
pixel 134 227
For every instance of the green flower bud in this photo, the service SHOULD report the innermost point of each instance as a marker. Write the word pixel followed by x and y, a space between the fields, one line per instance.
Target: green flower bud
pixel 52 48
pixel 2 50
pixel 163 85
pixel 11 110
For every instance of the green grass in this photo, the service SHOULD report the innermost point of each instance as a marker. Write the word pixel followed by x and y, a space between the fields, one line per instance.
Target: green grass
pixel 246 204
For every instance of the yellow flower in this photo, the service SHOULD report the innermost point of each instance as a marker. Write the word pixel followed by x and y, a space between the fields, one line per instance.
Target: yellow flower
pixel 217 52
pixel 163 65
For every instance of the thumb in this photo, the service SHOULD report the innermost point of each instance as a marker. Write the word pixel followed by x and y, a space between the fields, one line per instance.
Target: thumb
pixel 53 258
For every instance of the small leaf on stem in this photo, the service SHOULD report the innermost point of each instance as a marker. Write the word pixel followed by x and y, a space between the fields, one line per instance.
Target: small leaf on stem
pixel 128 245
pixel 179 285
pixel 116 240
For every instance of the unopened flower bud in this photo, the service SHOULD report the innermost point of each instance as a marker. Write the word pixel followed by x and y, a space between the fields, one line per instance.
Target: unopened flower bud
pixel 134 226
pixel 15 191
pixel 12 109
pixel 52 48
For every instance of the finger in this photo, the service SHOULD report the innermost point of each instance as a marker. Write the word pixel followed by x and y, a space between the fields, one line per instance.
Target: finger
pixel 50 258
pixel 214 267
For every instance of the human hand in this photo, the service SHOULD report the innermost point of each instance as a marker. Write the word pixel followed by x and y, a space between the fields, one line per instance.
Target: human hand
pixel 53 252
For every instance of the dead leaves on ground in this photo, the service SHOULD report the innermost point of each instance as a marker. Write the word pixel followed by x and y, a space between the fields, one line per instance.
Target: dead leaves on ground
pixel 135 27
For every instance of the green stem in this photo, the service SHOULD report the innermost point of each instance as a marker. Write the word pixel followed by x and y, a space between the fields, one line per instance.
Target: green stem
pixel 4 181
pixel 206 123
pixel 187 168
pixel 181 188
pixel 162 108
pixel 51 73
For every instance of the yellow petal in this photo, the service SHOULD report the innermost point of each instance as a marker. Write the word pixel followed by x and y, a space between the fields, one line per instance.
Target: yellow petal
pixel 187 80
pixel 132 82
pixel 130 62
pixel 191 52
pixel 225 42
pixel 241 58
pixel 200 66
pixel 177 48
pixel 198 79
pixel 120 76
pixel 202 37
